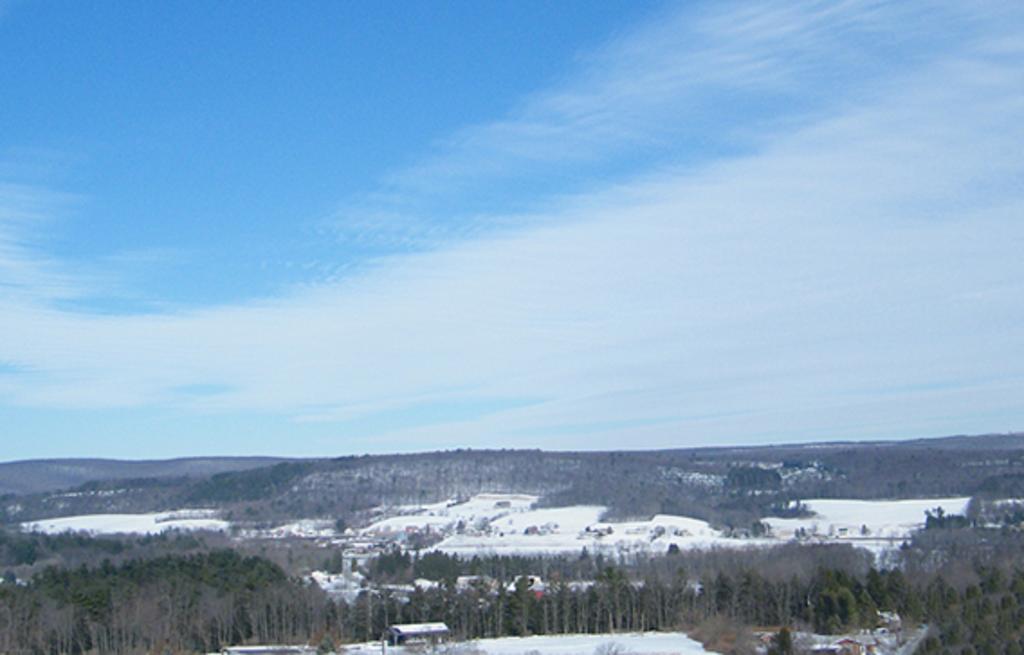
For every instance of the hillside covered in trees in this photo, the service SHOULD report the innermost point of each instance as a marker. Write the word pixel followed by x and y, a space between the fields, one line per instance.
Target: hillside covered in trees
pixel 728 486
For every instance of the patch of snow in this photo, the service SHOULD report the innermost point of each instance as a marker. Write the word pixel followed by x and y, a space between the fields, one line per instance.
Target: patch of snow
pixel 306 528
pixel 871 520
pixel 505 524
pixel 694 478
pixel 88 494
pixel 637 643
pixel 143 524
pixel 570 529
pixel 447 515
pixel 541 531
pixel 634 643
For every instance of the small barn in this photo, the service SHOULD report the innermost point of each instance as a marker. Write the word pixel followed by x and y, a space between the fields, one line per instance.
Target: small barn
pixel 412 633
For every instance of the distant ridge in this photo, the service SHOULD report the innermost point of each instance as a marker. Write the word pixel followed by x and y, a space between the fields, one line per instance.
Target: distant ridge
pixel 48 475
pixel 728 485
pixel 44 475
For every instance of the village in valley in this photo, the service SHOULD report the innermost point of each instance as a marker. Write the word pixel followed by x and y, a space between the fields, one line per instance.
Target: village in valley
pixel 510 524
pixel 528 573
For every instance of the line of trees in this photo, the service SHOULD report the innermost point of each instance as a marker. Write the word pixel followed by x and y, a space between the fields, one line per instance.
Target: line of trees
pixel 201 602
pixel 830 601
pixel 194 603
pixel 983 618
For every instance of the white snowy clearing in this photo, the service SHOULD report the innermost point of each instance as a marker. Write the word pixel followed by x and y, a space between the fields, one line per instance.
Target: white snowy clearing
pixel 856 520
pixel 305 528
pixel 570 529
pixel 189 519
pixel 505 524
pixel 633 643
pixel 446 515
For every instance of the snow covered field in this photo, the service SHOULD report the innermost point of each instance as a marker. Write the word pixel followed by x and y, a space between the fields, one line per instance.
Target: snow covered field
pixel 506 525
pixel 540 531
pixel 570 529
pixel 865 519
pixel 634 643
pixel 305 529
pixel 193 519
pixel 650 643
pixel 446 515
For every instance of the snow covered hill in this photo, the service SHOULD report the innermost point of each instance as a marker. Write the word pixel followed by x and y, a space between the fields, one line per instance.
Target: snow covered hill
pixel 140 524
pixel 507 525
pixel 864 519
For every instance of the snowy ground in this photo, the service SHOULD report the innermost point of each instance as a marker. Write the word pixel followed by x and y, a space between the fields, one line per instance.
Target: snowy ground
pixel 306 529
pixel 193 519
pixel 570 529
pixel 865 520
pixel 633 643
pixel 446 516
pixel 877 526
pixel 506 525
pixel 552 530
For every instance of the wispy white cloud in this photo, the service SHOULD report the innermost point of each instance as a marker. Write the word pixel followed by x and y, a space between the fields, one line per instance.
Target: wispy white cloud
pixel 857 274
pixel 682 70
pixel 26 213
pixel 692 83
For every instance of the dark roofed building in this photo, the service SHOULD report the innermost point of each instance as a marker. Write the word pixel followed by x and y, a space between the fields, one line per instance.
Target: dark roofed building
pixel 402 633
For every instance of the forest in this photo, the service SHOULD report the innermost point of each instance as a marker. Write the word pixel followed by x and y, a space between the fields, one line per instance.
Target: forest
pixel 197 600
pixel 729 487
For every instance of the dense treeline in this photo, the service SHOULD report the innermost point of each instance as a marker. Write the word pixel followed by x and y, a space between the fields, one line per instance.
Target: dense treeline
pixel 781 562
pixel 202 602
pixel 248 485
pixel 20 550
pixel 43 475
pixel 828 601
pixel 986 618
pixel 194 603
pixel 974 603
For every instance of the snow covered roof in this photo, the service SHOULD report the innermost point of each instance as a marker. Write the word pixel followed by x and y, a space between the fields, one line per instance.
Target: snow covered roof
pixel 412 629
pixel 268 650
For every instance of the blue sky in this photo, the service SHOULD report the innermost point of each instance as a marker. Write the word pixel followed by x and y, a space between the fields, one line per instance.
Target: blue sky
pixel 336 228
